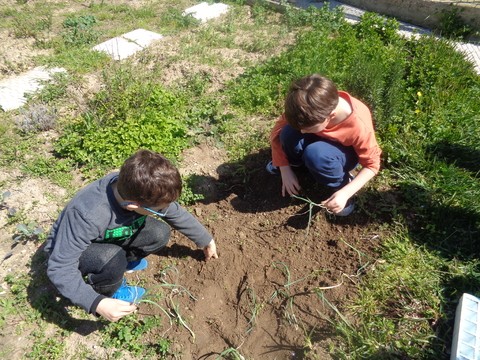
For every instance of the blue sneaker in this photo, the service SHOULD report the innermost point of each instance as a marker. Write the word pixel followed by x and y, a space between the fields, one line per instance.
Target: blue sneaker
pixel 349 207
pixel 272 170
pixel 137 265
pixel 128 293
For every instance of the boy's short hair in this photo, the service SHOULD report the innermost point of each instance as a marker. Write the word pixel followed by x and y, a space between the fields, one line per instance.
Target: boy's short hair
pixel 310 101
pixel 150 179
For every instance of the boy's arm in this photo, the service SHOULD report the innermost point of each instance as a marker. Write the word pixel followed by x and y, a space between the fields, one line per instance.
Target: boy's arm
pixel 70 242
pixel 181 220
pixel 338 200
pixel 279 157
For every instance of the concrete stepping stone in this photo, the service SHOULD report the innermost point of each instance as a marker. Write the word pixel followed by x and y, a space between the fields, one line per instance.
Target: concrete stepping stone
pixel 123 46
pixel 12 91
pixel 204 11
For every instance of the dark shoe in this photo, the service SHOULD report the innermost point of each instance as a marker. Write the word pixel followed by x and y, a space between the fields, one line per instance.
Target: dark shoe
pixel 137 265
pixel 272 170
pixel 130 294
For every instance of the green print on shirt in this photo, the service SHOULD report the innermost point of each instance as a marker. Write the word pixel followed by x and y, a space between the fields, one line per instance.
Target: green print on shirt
pixel 125 232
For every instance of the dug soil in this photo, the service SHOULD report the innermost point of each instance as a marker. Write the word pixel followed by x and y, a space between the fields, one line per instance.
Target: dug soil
pixel 263 295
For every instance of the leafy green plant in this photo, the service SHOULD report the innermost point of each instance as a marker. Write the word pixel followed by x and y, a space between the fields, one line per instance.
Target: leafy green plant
pixel 143 116
pixel 79 30
pixel 372 25
pixel 189 193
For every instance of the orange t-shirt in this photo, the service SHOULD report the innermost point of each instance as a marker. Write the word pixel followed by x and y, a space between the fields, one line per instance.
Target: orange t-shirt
pixel 356 130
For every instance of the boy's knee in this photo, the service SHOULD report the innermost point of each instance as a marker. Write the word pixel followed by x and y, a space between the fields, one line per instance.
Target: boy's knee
pixel 98 256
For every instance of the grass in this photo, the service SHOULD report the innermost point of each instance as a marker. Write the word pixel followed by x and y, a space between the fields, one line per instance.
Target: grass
pixel 424 97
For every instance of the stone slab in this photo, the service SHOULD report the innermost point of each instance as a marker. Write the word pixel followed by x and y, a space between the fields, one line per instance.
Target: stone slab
pixel 12 91
pixel 118 48
pixel 123 46
pixel 142 37
pixel 204 11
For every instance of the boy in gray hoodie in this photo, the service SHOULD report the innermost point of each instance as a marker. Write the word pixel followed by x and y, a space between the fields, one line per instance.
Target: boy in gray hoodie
pixel 105 230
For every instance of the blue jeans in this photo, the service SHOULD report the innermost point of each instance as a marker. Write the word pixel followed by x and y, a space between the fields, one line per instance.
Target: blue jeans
pixel 328 161
pixel 104 263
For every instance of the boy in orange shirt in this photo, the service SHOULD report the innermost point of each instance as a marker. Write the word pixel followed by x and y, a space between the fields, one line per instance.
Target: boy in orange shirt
pixel 330 132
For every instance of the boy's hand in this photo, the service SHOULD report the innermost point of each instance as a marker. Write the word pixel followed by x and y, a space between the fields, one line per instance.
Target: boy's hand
pixel 114 309
pixel 210 251
pixel 337 201
pixel 289 181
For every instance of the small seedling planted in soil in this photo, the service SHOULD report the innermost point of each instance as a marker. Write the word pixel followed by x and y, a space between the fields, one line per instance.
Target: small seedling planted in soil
pixel 28 231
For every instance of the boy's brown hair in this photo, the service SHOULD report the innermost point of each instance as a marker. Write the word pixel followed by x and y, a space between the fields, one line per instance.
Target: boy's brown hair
pixel 310 101
pixel 150 179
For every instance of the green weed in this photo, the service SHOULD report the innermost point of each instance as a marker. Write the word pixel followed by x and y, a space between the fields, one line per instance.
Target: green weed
pixel 253 306
pixel 50 349
pixel 57 170
pixel 175 19
pixel 452 24
pixel 127 333
pixel 311 204
pixel 399 304
pixel 31 23
pixel 53 89
pixel 76 59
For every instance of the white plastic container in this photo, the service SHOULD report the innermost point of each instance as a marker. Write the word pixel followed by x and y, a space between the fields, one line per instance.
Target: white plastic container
pixel 466 333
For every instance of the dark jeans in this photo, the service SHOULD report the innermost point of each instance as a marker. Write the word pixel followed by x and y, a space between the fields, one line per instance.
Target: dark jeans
pixel 104 263
pixel 329 162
